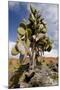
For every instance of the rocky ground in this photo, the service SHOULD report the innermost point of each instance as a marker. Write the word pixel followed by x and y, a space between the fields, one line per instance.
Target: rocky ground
pixel 44 74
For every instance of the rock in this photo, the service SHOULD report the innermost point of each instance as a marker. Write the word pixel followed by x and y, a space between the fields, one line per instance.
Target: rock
pixel 42 78
pixel 28 76
pixel 36 77
pixel 24 85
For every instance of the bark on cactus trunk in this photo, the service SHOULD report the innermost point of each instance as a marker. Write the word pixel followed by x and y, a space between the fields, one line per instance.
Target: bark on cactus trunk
pixel 34 59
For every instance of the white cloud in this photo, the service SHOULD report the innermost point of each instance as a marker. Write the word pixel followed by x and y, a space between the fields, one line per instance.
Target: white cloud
pixel 52 53
pixel 13 4
pixel 49 10
pixel 11 45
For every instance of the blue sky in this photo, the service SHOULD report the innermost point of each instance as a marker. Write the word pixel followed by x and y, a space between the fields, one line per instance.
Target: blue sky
pixel 17 11
pixel 20 10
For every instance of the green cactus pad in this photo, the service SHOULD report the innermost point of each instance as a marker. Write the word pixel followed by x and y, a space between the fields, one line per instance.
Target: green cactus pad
pixel 29 31
pixel 44 30
pixel 20 47
pixel 28 42
pixel 14 51
pixel 21 31
pixel 48 48
pixel 41 26
pixel 23 25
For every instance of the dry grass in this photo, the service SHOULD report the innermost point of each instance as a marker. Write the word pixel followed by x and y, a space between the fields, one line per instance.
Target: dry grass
pixel 13 64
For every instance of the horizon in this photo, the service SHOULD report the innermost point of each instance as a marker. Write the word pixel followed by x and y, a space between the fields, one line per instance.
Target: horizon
pixel 52 53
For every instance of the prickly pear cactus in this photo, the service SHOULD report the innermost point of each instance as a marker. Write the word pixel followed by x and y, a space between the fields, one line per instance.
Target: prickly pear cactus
pixel 32 35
